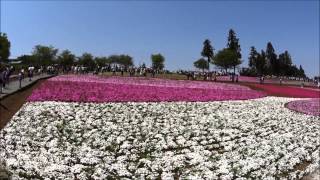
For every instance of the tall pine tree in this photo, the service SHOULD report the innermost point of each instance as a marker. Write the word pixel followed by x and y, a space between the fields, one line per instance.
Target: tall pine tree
pixel 207 51
pixel 285 63
pixel 233 44
pixel 4 47
pixel 261 63
pixel 272 62
pixel 301 72
pixel 253 57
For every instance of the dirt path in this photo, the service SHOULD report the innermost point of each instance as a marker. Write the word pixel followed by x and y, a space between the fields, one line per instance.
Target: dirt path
pixel 11 104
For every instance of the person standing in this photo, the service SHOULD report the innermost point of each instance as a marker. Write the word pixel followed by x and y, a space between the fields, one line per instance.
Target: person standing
pixel 30 73
pixel 1 81
pixel 153 72
pixel 3 78
pixel 122 71
pixel 22 73
pixel 114 70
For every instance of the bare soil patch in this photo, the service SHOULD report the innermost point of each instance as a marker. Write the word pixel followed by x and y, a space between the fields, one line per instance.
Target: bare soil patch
pixel 12 103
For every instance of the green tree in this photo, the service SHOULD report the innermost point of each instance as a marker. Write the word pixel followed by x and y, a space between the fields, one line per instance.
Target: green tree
pixel 101 61
pixel 233 44
pixel 28 60
pixel 201 64
pixel 225 59
pixel 66 59
pixel 207 51
pixel 292 71
pixel 285 63
pixel 301 72
pixel 4 47
pixel 45 55
pixel 253 58
pixel 157 61
pixel 272 62
pixel 125 60
pixel 86 60
pixel 113 59
pixel 260 63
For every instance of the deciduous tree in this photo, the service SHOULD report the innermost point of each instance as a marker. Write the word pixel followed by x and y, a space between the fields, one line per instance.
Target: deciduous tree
pixel 157 61
pixel 66 59
pixel 45 55
pixel 224 58
pixel 4 47
pixel 201 64
pixel 86 60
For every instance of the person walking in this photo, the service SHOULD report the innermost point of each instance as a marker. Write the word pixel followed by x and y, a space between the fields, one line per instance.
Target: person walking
pixel 3 77
pixel 122 71
pixel 153 73
pixel 30 73
pixel 1 81
pixel 114 71
pixel 8 74
pixel 22 73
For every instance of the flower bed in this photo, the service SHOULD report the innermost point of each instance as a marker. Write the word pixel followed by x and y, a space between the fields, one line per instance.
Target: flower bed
pixel 95 89
pixel 250 139
pixel 149 82
pixel 287 91
pixel 311 106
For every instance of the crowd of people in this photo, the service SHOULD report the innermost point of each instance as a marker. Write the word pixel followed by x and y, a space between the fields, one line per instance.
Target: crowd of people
pixel 132 71
pixel 7 71
pixel 211 75
pixel 5 74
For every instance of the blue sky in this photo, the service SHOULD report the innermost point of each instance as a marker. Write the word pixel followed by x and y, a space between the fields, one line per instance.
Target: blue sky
pixel 175 29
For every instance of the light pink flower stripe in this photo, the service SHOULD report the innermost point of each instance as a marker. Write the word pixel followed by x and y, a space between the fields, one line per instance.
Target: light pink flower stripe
pixel 310 106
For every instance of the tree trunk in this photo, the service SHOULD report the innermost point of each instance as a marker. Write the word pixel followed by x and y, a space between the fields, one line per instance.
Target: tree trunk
pixel 208 63
pixel 234 73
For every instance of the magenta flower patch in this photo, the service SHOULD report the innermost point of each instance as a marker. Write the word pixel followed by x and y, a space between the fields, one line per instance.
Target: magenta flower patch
pixel 119 89
pixel 310 106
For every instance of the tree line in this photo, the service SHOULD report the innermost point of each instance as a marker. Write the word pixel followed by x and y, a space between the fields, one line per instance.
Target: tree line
pixel 260 64
pixel 269 63
pixel 48 55
pixel 226 58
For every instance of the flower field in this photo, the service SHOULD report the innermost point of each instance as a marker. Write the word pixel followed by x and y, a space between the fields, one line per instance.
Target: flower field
pixel 287 91
pixel 118 89
pixel 95 128
pixel 310 106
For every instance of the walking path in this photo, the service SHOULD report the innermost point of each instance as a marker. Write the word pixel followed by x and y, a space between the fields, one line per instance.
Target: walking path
pixel 14 85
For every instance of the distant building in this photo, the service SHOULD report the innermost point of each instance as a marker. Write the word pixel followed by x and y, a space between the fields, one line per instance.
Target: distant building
pixel 14 61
